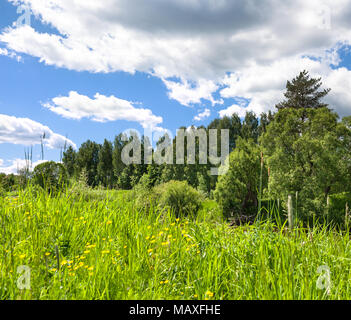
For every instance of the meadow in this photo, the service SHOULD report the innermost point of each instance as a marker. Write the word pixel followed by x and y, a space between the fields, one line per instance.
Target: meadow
pixel 99 245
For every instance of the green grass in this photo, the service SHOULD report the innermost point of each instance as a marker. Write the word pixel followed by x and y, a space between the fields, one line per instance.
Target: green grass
pixel 110 250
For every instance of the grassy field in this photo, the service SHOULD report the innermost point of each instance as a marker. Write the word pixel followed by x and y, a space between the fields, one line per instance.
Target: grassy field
pixel 107 249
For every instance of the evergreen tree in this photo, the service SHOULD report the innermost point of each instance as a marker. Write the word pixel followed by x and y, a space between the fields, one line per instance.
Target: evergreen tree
pixel 88 158
pixel 303 92
pixel 105 166
pixel 69 160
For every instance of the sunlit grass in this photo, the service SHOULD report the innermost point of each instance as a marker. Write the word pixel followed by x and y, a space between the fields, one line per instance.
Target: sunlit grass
pixel 108 249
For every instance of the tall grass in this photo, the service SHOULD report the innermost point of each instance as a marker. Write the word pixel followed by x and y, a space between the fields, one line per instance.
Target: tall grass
pixel 103 247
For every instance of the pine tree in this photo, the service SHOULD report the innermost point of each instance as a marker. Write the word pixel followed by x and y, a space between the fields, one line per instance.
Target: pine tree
pixel 303 92
pixel 105 167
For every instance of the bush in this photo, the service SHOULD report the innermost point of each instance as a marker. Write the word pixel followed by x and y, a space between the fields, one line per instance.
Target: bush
pixel 181 198
pixel 50 176
pixel 178 196
pixel 237 190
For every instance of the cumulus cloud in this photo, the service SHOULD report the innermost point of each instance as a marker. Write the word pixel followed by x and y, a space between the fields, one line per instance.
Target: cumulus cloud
pixel 200 42
pixel 203 115
pixel 10 54
pixel 16 165
pixel 28 132
pixel 102 109
pixel 186 93
pixel 264 86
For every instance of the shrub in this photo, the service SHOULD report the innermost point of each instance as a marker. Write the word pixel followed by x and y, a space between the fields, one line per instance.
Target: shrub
pixel 237 190
pixel 51 176
pixel 179 196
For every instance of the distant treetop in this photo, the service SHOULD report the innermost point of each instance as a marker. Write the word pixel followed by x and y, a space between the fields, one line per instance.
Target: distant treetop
pixel 303 92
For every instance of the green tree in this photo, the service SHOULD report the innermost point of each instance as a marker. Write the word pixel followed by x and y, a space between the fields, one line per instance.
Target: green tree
pixel 303 92
pixel 308 151
pixel 237 190
pixel 105 165
pixel 118 165
pixel 51 176
pixel 88 158
pixel 69 160
pixel 249 128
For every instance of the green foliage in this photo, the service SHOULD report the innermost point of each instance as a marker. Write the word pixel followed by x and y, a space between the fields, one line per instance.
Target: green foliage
pixel 302 93
pixel 307 151
pixel 181 198
pixel 69 161
pixel 88 158
pixel 50 176
pixel 237 190
pixel 105 166
pixel 177 196
pixel 337 207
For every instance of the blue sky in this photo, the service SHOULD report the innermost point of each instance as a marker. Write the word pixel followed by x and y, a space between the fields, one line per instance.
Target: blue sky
pixel 156 72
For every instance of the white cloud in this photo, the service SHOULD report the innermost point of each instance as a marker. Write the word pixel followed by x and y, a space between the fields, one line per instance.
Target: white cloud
pixel 186 93
pixel 28 132
pixel 240 110
pixel 18 164
pixel 10 54
pixel 199 42
pixel 264 86
pixel 102 109
pixel 1 162
pixel 203 115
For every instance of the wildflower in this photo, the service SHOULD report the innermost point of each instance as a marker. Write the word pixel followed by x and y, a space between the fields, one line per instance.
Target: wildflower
pixel 149 251
pixel 149 227
pixel 147 238
pixel 91 274
pixel 105 251
pixel 64 262
pixel 195 295
pixel 86 251
pixel 166 281
pixel 91 268
pixel 47 254
pixel 209 293
pixel 160 234
pixel 177 219
pixel 125 247
pixel 109 222
pixel 165 243
pixel 172 224
pixel 22 256
pixel 161 282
